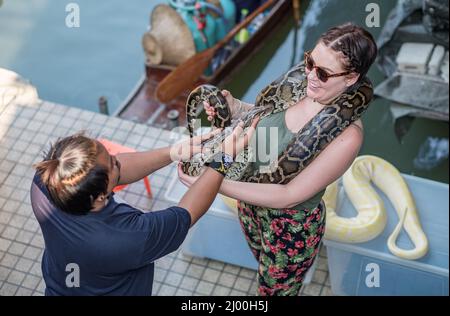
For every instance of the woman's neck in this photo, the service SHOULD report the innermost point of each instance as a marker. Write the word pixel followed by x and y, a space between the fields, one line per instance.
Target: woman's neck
pixel 324 103
pixel 316 103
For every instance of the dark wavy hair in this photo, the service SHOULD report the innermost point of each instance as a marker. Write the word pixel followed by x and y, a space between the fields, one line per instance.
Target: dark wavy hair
pixel 71 174
pixel 357 46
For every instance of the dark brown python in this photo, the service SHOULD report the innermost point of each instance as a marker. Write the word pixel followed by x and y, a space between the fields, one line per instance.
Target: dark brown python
pixel 288 90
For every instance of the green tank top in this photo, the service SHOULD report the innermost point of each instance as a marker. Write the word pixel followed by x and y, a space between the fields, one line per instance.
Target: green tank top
pixel 277 122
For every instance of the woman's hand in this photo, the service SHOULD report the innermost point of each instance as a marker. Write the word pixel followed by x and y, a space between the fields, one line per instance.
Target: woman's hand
pixel 232 103
pixel 185 150
pixel 186 179
pixel 238 140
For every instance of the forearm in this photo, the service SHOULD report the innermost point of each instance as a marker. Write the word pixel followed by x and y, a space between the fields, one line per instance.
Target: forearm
pixel 247 106
pixel 135 166
pixel 264 195
pixel 241 107
pixel 324 170
pixel 201 194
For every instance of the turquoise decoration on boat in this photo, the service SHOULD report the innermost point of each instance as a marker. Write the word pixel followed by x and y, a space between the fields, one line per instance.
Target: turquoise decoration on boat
pixel 225 24
pixel 207 22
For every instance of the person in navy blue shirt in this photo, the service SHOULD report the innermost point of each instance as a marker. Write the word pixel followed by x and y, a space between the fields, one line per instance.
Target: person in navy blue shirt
pixel 98 245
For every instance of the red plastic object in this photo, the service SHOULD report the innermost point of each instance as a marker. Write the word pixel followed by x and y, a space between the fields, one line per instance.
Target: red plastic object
pixel 114 149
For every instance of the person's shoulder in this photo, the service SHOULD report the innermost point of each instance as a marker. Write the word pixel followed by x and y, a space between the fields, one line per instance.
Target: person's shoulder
pixel 166 220
pixel 37 179
pixel 351 138
pixel 118 206
pixel 174 209
pixel 135 216
pixel 38 189
pixel 173 212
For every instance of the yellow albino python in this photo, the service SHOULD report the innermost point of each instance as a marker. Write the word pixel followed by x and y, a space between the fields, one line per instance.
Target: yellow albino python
pixel 372 218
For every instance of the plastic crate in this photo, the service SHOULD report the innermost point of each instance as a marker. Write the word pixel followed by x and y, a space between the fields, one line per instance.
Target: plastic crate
pixel 352 265
pixel 218 234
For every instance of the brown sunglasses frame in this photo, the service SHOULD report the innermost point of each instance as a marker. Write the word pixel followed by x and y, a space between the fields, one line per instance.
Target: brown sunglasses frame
pixel 308 55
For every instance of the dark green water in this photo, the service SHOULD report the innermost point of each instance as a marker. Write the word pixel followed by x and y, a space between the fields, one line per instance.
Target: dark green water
pixel 380 138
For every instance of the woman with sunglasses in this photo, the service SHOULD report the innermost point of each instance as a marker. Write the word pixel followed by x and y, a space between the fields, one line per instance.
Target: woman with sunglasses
pixel 339 62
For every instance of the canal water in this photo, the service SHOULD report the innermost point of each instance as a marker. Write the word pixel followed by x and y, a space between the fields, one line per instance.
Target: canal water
pixel 76 65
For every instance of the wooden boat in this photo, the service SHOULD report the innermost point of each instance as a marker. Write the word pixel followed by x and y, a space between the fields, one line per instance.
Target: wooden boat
pixel 142 105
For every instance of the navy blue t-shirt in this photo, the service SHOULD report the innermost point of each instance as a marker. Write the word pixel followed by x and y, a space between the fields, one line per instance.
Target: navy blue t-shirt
pixel 113 249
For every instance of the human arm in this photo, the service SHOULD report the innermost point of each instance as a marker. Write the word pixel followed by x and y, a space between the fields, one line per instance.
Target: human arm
pixel 324 170
pixel 135 166
pixel 202 193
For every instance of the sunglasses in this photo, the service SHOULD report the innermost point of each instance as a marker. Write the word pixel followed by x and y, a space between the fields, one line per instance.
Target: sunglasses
pixel 321 73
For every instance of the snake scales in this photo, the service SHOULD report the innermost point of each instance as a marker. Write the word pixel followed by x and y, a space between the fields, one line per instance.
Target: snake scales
pixel 286 91
pixel 306 145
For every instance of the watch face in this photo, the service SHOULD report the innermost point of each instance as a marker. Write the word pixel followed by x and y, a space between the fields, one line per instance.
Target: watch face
pixel 227 159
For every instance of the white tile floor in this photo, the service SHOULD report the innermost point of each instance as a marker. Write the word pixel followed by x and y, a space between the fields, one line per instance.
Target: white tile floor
pixel 25 131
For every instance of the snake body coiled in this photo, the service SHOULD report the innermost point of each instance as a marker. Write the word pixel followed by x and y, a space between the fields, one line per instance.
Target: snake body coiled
pixel 286 91
pixel 372 217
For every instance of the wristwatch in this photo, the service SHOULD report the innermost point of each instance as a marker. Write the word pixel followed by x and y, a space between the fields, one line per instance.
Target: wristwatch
pixel 227 160
pixel 221 163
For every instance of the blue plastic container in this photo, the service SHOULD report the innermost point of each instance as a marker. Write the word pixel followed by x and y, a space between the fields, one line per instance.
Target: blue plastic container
pixel 352 265
pixel 218 234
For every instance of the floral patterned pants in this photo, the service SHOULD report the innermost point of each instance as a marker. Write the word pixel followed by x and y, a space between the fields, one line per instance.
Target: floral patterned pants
pixel 284 242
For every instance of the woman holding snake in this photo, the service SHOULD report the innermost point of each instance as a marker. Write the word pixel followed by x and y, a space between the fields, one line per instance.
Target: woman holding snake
pixel 284 223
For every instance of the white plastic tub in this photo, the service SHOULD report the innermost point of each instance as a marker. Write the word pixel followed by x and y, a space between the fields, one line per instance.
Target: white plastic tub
pixel 355 269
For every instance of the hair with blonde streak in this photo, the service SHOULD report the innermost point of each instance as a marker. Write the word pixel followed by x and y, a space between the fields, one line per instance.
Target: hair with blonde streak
pixel 71 173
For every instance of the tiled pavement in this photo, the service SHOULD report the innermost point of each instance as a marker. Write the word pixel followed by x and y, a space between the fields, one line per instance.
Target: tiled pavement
pixel 25 131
